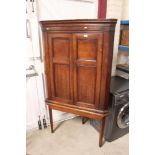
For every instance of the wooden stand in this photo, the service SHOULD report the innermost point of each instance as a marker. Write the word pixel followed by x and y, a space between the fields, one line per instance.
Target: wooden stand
pixel 51 120
pixel 85 115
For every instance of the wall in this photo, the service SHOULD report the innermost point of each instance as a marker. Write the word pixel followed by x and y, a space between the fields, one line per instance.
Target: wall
pixel 125 10
pixel 117 9
pixel 35 105
pixel 67 9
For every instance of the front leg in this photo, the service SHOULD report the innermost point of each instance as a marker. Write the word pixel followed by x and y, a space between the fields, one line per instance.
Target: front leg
pixel 84 120
pixel 51 119
pixel 101 130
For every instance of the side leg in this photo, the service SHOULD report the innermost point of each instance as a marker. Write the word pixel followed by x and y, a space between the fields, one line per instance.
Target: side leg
pixel 51 119
pixel 84 120
pixel 102 121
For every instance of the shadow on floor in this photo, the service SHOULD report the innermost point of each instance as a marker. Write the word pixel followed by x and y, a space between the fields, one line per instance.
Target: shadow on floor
pixel 58 125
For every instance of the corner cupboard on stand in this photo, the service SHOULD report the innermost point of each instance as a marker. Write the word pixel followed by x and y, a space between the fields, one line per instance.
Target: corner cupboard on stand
pixel 78 60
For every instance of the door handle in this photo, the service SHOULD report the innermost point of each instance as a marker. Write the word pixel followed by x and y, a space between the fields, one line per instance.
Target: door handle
pixel 30 73
pixel 31 67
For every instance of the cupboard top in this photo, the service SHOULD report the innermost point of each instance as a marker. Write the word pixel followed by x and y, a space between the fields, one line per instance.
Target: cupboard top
pixel 79 21
pixel 75 24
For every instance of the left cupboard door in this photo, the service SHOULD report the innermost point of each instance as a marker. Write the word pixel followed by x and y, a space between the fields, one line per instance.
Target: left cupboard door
pixel 58 58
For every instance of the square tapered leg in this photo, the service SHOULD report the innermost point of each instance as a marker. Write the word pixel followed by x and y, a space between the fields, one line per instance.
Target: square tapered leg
pixel 84 120
pixel 51 119
pixel 101 131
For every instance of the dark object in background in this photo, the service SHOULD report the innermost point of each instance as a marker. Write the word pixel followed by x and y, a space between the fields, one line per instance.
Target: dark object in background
pixel 123 68
pixel 117 123
pixel 39 124
pixel 44 122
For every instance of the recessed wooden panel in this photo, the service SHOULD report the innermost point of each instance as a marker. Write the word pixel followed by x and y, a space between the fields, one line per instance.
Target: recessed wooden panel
pixel 61 67
pixel 86 77
pixel 60 47
pixel 88 58
pixel 87 49
pixel 61 81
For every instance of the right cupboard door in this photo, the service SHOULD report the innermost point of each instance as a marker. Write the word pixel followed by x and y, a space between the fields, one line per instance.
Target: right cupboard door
pixel 87 55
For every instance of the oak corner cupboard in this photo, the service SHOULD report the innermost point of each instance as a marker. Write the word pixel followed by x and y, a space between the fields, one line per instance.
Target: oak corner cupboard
pixel 78 61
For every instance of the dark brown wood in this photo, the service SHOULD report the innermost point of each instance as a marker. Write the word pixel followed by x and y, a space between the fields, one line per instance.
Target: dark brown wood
pixel 76 111
pixel 80 21
pixel 108 39
pixel 102 122
pixel 78 61
pixel 47 64
pixel 51 119
pixel 87 58
pixel 60 102
pixel 60 56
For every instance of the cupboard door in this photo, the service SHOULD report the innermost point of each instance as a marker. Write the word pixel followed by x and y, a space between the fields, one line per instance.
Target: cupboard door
pixel 60 60
pixel 87 49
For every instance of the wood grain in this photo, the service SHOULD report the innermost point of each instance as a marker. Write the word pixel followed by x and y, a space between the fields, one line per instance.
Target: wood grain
pixel 78 61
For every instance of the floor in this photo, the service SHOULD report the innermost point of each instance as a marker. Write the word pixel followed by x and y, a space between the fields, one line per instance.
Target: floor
pixel 73 138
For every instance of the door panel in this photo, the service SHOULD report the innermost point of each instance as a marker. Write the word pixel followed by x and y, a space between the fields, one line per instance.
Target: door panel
pixel 61 67
pixel 87 49
pixel 61 81
pixel 60 48
pixel 86 86
pixel 87 68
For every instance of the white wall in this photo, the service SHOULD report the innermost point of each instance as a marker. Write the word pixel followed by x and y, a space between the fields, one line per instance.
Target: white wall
pixel 66 9
pixel 35 104
pixel 125 10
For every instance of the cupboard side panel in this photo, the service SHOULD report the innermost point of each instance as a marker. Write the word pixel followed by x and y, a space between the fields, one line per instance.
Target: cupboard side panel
pixel 108 39
pixel 47 65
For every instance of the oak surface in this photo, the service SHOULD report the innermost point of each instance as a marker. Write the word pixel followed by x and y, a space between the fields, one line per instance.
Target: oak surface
pixel 78 60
